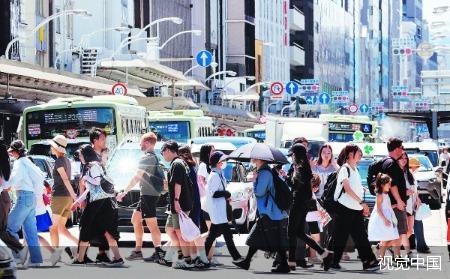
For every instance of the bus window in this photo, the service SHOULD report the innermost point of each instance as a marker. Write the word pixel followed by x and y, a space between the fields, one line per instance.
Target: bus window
pixel 45 124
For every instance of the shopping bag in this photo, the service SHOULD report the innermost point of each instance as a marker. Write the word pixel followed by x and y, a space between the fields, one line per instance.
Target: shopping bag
pixel 189 231
pixel 423 212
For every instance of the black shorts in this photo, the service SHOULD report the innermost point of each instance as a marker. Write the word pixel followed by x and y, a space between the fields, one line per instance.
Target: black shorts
pixel 313 227
pixel 147 206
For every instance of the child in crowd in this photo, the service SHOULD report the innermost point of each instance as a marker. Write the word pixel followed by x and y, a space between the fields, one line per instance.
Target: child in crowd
pixel 383 223
pixel 313 218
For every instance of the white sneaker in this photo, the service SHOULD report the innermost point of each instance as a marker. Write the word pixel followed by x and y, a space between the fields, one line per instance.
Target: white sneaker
pixel 215 262
pixel 56 256
pixel 182 264
pixel 23 254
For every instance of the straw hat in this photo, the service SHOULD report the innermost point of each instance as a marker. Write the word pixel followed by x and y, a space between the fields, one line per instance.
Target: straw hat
pixel 59 143
pixel 414 162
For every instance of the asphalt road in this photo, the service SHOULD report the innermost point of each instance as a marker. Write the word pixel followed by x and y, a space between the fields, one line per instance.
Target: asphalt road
pixel 436 266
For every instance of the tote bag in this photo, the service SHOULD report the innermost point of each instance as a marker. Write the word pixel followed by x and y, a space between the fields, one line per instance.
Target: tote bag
pixel 423 212
pixel 189 231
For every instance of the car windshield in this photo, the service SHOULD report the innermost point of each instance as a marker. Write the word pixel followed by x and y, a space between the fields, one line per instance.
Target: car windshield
pixel 171 130
pixel 44 149
pixel 123 165
pixel 234 172
pixel 363 168
pixel 124 162
pixel 235 141
pixel 425 164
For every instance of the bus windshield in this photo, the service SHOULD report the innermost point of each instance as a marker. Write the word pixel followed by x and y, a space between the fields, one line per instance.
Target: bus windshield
pixel 171 130
pixel 71 122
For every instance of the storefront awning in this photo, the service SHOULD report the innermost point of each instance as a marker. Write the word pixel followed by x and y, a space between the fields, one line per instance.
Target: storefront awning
pixel 144 68
pixel 32 77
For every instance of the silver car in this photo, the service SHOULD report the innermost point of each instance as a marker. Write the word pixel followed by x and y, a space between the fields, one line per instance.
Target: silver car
pixel 429 187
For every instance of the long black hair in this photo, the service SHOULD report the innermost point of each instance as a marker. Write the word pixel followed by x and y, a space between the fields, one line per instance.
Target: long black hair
pixel 89 154
pixel 5 167
pixel 205 151
pixel 381 180
pixel 320 160
pixel 408 172
pixel 349 148
pixel 301 162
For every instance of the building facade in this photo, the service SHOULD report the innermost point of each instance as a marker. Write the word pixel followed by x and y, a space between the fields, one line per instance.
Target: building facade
pixel 329 43
pixel 412 26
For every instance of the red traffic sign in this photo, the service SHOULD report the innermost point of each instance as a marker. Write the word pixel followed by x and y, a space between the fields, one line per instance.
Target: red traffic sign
pixel 353 108
pixel 119 89
pixel 276 88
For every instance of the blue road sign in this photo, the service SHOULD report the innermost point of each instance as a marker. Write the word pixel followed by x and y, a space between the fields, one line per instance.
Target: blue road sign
pixel 292 88
pixel 324 99
pixel 311 100
pixel 364 108
pixel 204 58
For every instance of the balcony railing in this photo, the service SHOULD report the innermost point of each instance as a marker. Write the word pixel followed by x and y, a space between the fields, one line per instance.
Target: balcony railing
pixel 297 20
pixel 297 55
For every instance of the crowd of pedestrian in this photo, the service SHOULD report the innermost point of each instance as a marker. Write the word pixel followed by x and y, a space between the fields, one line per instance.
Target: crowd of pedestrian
pixel 199 193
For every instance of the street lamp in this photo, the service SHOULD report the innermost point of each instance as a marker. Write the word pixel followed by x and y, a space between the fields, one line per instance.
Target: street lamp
pixel 175 20
pixel 230 73
pixel 213 65
pixel 251 87
pixel 44 22
pixel 250 78
pixel 85 38
pixel 195 32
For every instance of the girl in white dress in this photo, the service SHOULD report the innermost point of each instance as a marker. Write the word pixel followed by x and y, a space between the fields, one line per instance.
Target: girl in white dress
pixel 383 223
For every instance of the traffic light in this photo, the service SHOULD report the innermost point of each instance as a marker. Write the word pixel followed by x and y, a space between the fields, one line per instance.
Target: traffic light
pixel 400 94
pixel 402 51
pixel 309 87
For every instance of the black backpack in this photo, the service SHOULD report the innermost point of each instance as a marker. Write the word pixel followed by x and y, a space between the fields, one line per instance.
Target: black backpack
pixel 374 169
pixel 327 201
pixel 283 195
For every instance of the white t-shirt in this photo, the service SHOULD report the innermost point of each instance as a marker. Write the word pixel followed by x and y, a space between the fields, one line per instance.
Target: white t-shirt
pixel 203 172
pixel 355 183
pixel 217 207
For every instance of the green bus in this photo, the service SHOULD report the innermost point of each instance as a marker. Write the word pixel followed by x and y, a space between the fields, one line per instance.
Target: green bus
pixel 120 116
pixel 180 125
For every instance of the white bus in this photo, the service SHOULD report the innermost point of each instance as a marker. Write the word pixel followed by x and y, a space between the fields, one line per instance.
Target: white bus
pixel 119 116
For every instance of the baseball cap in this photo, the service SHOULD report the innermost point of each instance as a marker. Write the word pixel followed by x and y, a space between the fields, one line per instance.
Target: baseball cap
pixel 216 157
pixel 17 146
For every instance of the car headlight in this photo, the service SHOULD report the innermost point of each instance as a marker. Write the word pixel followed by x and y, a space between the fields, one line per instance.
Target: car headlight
pixel 432 180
